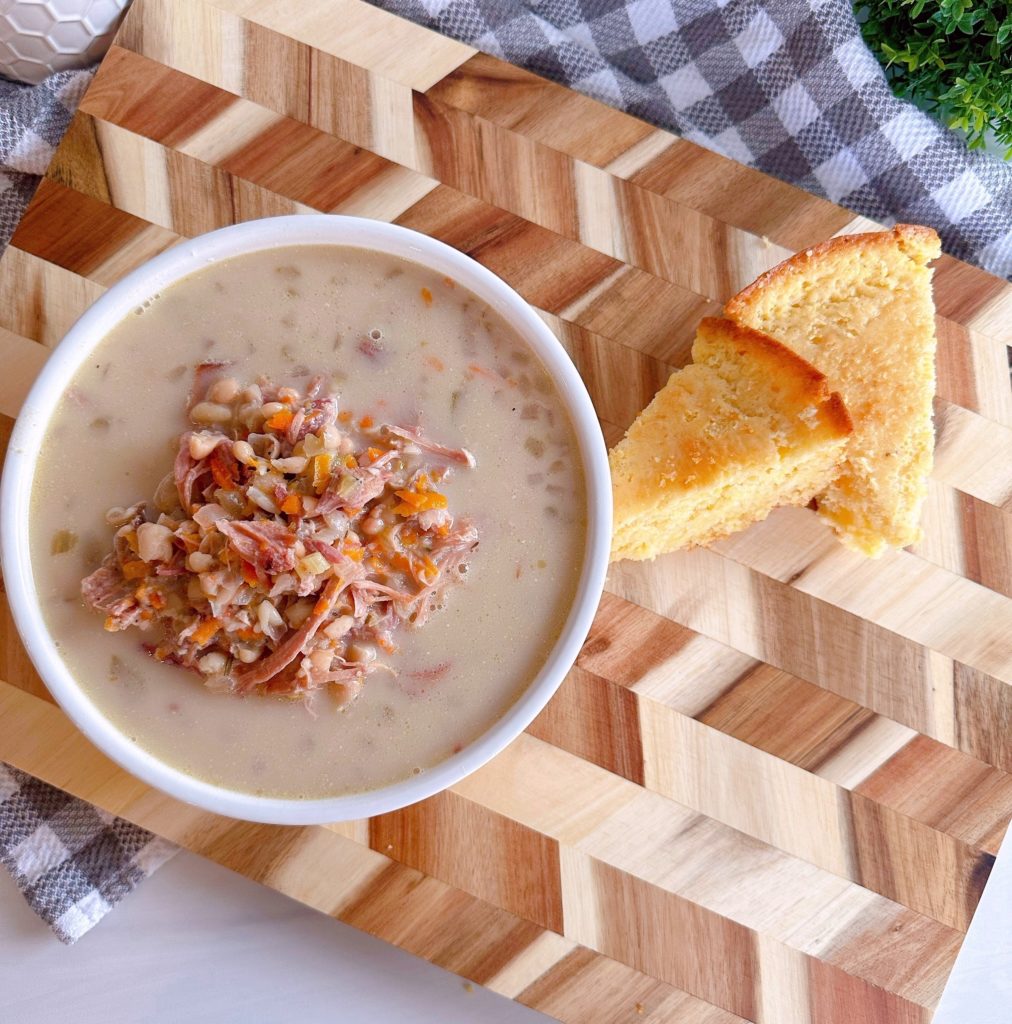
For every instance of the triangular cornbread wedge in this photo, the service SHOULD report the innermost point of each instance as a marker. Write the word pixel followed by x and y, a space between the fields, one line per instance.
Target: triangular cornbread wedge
pixel 748 426
pixel 859 308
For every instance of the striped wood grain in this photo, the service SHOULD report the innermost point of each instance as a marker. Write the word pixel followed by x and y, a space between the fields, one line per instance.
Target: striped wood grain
pixel 773 786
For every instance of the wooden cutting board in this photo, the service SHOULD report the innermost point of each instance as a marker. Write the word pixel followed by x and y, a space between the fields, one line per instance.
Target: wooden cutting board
pixel 773 786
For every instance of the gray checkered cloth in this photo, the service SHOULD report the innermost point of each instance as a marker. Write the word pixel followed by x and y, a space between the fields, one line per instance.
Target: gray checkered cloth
pixel 786 86
pixel 32 122
pixel 72 862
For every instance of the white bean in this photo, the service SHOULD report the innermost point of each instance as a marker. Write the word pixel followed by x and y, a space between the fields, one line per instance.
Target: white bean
pixel 359 653
pixel 224 390
pixel 270 408
pixel 119 516
pixel 154 542
pixel 298 612
pixel 210 582
pixel 211 663
pixel 270 620
pixel 262 501
pixel 243 451
pixel 293 464
pixel 321 659
pixel 202 444
pixel 252 394
pixel 250 414
pixel 210 412
pixel 198 561
pixel 336 629
pixel 372 525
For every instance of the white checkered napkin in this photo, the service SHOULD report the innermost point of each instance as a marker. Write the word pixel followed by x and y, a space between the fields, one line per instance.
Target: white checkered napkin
pixel 72 862
pixel 787 86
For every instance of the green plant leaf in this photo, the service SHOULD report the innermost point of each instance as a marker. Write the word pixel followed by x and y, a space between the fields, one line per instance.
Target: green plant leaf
pixel 952 56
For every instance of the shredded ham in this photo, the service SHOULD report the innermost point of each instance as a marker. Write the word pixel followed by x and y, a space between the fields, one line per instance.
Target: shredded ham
pixel 414 435
pixel 298 547
pixel 294 643
pixel 266 545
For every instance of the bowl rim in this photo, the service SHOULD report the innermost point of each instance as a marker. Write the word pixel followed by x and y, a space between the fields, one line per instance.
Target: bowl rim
pixel 183 259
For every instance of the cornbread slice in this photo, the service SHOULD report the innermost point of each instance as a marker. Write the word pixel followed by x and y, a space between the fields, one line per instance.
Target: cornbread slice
pixel 744 428
pixel 859 308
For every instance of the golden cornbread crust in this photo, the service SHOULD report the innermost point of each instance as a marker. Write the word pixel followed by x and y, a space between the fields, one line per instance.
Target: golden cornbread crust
pixel 920 243
pixel 779 363
pixel 859 308
pixel 746 427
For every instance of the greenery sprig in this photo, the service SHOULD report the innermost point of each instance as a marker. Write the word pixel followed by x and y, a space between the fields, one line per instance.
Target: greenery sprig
pixel 952 56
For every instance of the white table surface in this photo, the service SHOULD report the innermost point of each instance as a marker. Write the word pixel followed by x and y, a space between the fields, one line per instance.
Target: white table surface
pixel 197 943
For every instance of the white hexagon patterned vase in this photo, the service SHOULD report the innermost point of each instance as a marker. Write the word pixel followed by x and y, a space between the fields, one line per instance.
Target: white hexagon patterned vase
pixel 38 37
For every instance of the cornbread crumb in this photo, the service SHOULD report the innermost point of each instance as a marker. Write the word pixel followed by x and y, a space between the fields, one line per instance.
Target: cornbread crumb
pixel 747 426
pixel 859 308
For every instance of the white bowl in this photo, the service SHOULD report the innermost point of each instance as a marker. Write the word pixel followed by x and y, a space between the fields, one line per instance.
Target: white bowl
pixel 92 328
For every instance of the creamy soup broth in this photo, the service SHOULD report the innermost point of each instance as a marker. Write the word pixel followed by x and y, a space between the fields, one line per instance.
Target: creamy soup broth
pixel 400 343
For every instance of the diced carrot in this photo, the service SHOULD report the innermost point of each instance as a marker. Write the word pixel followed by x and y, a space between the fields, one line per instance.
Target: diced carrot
pixel 281 420
pixel 246 633
pixel 131 538
pixel 411 497
pixel 135 570
pixel 205 632
pixel 436 363
pixel 351 462
pixel 413 501
pixel 249 574
pixel 223 469
pixel 292 505
pixel 374 453
pixel 344 416
pixel 366 422
pixel 409 537
pixel 422 482
pixel 426 296
pixel 321 471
